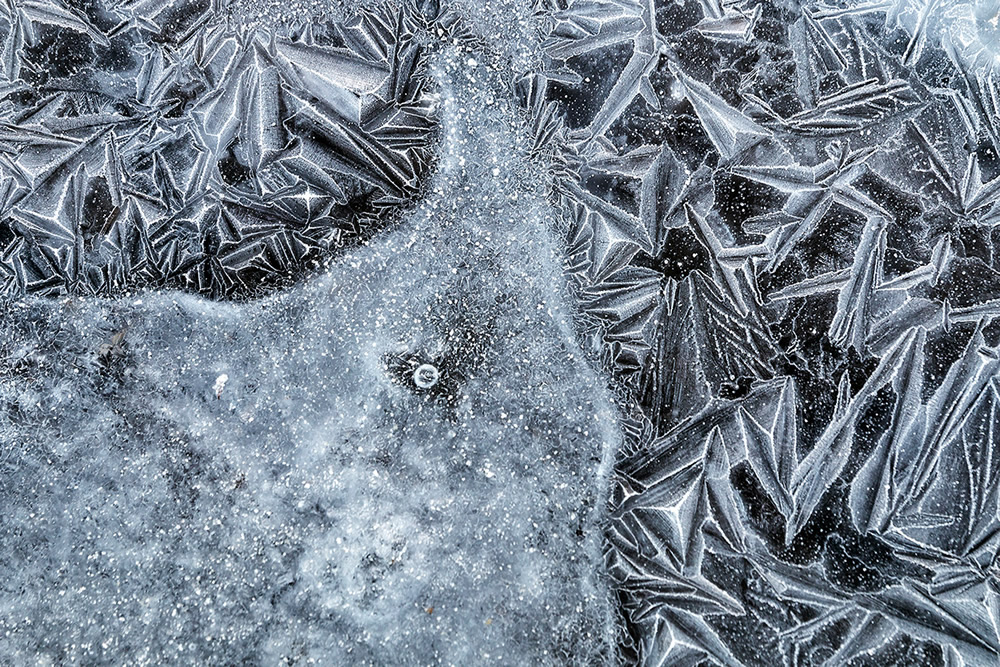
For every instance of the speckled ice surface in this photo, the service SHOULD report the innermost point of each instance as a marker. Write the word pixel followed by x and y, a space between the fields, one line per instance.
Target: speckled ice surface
pixel 263 483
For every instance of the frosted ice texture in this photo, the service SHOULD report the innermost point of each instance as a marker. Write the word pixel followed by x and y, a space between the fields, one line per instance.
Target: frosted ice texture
pixel 770 224
pixel 189 481
pixel 784 216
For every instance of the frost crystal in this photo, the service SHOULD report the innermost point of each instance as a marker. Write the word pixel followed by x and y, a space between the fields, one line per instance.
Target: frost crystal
pixel 779 227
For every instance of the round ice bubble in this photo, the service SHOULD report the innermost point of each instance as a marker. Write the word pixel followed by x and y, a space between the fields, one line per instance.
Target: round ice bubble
pixel 426 376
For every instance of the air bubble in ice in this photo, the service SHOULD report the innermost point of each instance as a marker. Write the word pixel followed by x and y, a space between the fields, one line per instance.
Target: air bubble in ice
pixel 426 376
